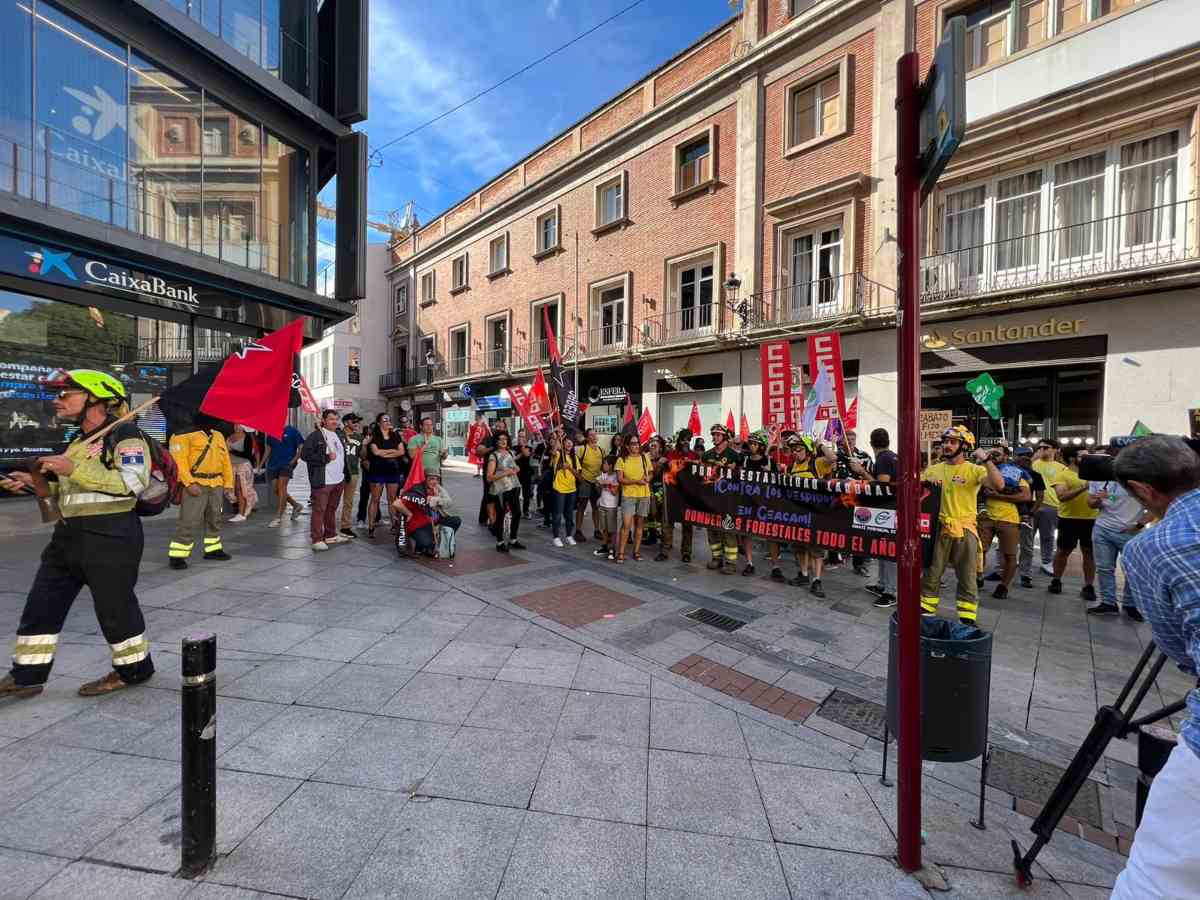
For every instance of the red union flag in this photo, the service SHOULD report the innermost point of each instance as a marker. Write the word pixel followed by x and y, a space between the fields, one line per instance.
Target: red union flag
pixel 308 402
pixel 775 358
pixel 254 384
pixel 645 426
pixel 520 400
pixel 825 351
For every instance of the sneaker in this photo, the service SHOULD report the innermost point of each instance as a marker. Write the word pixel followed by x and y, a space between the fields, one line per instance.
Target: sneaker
pixel 994 576
pixel 597 536
pixel 1048 569
pixel 238 518
pixel 178 562
pixel 730 567
pixel 876 590
pixel 799 581
pixel 1055 586
pixel 1100 608
pixel 777 574
pixel 337 539
pixel 815 588
pixel 558 542
pixel 274 523
pixel 297 511
pixel 1134 613
pixel 515 545
pixel 579 538
pixel 1088 593
pixel 501 547
pixel 319 546
pixel 661 557
pixel 611 555
pixel 863 571
pixel 1026 581
pixel 571 542
pixel 749 570
pixel 978 582
pixel 713 564
pixel 600 551
pixel 349 532
pixel 219 555
pixel 1000 593
pixel 885 600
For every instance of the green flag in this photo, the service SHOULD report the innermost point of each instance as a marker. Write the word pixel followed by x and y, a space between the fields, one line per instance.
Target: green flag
pixel 986 393
pixel 1140 429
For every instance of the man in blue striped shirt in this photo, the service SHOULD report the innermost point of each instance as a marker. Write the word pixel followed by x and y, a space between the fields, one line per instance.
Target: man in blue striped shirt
pixel 1162 570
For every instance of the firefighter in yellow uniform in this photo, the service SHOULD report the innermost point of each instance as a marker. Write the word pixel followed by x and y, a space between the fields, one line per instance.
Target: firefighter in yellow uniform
pixel 958 543
pixel 206 474
pixel 98 541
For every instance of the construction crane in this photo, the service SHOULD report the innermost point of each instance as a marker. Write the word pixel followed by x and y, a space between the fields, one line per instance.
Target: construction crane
pixel 399 223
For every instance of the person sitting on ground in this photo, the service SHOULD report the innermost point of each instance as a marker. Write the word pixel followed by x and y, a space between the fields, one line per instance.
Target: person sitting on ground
pixel 608 505
pixel 424 507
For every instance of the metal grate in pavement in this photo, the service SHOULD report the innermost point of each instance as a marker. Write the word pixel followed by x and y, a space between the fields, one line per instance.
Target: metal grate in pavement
pixel 855 713
pixel 1034 780
pixel 715 619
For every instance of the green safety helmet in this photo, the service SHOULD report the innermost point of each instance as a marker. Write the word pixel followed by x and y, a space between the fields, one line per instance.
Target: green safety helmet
pixel 99 384
pixel 760 437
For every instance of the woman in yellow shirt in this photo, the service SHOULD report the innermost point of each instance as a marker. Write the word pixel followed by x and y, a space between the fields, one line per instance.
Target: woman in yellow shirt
pixel 565 467
pixel 634 471
pixel 808 462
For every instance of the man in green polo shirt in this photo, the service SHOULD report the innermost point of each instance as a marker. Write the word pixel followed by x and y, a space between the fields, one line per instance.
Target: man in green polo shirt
pixel 431 446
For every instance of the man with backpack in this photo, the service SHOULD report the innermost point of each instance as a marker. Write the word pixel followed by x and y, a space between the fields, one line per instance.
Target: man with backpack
pixel 206 474
pixel 97 542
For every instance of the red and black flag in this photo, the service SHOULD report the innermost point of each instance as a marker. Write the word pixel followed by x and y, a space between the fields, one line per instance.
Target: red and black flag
pixel 562 385
pixel 629 425
pixel 252 387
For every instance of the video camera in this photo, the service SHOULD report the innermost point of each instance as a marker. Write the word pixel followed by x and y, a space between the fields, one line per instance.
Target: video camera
pixel 1098 465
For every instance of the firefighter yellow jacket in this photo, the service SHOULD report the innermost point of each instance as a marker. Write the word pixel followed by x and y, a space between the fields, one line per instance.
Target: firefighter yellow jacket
pixel 197 465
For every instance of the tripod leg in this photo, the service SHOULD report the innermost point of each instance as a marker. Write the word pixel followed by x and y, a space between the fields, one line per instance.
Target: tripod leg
pixel 983 773
pixel 883 772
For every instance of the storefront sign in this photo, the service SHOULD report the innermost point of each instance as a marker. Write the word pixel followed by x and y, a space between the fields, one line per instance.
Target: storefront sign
pixel 775 360
pixel 608 394
pixel 341 404
pixel 495 401
pixel 424 398
pixel 458 415
pixel 966 336
pixel 855 517
pixel 934 423
pixel 825 351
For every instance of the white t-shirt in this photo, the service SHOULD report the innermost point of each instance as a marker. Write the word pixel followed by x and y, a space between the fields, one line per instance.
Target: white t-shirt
pixel 608 498
pixel 1121 510
pixel 335 469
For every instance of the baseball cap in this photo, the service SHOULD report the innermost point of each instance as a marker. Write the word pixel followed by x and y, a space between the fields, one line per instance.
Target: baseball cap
pixel 1024 451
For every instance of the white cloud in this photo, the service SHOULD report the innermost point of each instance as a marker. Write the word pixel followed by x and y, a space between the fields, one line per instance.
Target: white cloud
pixel 552 8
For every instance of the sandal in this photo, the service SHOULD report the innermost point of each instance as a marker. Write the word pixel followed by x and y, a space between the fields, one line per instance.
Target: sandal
pixel 620 558
pixel 637 556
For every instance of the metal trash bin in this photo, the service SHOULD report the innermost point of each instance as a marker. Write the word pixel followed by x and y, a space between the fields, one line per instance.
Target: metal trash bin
pixel 956 680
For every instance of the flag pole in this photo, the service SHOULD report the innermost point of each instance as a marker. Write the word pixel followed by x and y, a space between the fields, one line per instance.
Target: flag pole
pixel 576 316
pixel 132 414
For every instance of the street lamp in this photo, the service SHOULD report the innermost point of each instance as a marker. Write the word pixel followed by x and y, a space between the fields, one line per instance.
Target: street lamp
pixel 741 309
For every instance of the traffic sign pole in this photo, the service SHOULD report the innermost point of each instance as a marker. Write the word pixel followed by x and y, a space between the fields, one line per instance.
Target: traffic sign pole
pixel 908 497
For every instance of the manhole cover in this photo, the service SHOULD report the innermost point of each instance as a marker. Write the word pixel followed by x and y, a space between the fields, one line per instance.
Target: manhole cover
pixel 715 619
pixel 855 713
pixel 1034 780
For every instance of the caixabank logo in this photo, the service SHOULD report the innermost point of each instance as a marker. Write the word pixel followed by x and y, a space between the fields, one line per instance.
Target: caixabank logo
pixel 44 262
pixel 58 265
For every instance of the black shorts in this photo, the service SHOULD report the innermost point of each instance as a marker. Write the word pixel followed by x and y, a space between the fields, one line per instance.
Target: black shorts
pixel 1072 532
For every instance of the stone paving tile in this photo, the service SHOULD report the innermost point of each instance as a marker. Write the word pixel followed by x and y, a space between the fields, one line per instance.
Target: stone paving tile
pixel 709 794
pixel 597 672
pixel 341 644
pixel 576 603
pixel 610 718
pixel 797 746
pixel 32 766
pixel 436 698
pixel 358 688
pixel 695 728
pixel 279 680
pixel 114 722
pixel 441 850
pixel 388 754
pixel 215 601
pixel 153 840
pixel 22 873
pixel 407 649
pixel 564 857
pixel 594 779
pixel 831 875
pixel 295 743
pixel 683 866
pixel 237 719
pixel 80 810
pixel 488 766
pixel 471 562
pixel 497 632
pixel 314 844
pixel 465 658
pixel 88 879
pixel 525 708
pixel 822 809
pixel 533 665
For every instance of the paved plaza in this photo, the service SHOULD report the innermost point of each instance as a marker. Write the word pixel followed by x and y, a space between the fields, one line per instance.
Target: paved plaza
pixel 541 724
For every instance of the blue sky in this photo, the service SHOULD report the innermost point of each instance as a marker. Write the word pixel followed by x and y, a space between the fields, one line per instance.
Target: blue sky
pixel 428 57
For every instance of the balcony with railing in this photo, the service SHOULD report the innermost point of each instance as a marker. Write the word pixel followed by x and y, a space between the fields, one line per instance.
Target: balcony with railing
pixel 178 349
pixel 390 381
pixel 1137 241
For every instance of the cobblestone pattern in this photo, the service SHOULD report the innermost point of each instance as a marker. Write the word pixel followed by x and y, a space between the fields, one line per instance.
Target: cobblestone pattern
pixel 738 684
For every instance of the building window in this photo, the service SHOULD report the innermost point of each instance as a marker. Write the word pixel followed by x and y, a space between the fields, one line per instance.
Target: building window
pixel 540 311
pixel 401 300
pixel 816 108
pixel 814 272
pixel 609 316
pixel 694 164
pixel 987 32
pixel 547 231
pixel 427 363
pixel 1079 206
pixel 611 201
pixel 216 137
pixel 326 364
pixel 497 342
pixel 695 292
pixel 459 271
pixel 965 234
pixel 1071 14
pixel 795 7
pixel 427 288
pixel 1146 190
pixel 459 350
pixel 1033 23
pixel 498 254
pixel 1018 220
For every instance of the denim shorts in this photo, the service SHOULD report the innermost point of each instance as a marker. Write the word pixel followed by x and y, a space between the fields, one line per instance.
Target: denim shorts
pixel 635 506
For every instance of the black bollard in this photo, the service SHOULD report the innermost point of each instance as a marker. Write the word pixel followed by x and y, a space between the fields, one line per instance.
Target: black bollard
pixel 199 795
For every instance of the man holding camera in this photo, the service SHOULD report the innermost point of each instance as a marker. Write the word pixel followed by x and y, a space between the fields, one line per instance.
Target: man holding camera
pixel 1162 571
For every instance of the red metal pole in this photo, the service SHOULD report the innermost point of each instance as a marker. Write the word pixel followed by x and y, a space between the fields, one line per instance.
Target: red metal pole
pixel 908 498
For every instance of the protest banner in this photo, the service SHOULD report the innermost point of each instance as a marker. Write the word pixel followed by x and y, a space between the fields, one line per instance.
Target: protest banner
pixel 857 517
pixel 934 423
pixel 775 360
pixel 825 353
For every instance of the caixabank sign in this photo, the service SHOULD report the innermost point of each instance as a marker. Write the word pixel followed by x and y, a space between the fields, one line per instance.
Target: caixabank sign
pixel 59 266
